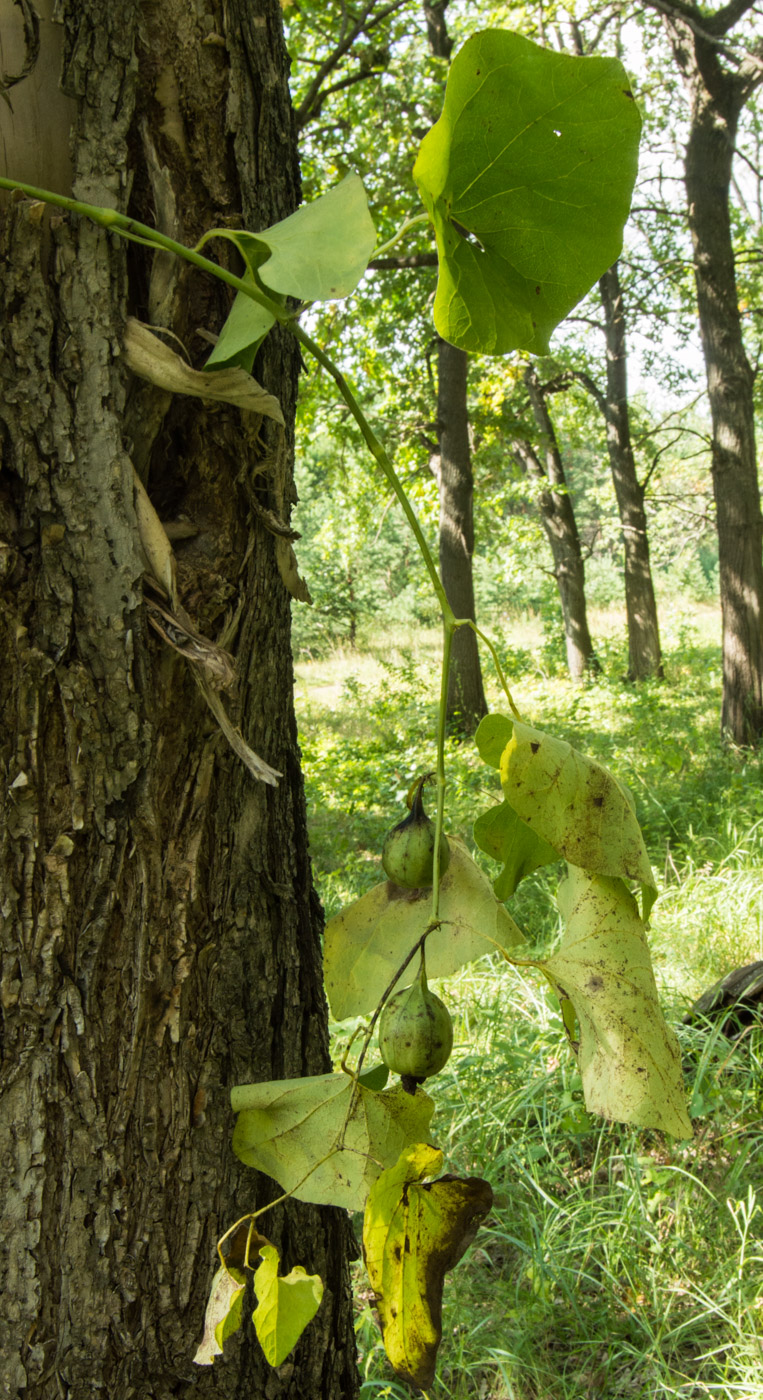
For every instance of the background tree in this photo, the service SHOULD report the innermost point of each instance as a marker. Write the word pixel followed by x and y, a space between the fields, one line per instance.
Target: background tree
pixel 720 71
pixel 558 516
pixel 159 928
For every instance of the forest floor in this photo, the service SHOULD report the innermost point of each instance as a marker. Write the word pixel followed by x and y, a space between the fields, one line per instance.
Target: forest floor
pixel 617 1263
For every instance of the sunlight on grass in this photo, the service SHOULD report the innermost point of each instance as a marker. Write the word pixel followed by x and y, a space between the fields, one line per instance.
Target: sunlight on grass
pixel 616 1263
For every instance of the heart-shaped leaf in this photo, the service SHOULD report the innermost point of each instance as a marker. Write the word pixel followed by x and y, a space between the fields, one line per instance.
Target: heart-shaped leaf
pixel 527 177
pixel 285 1306
pixel 575 805
pixel 290 1129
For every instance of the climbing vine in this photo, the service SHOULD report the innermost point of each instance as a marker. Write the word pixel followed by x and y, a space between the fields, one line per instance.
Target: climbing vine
pixel 526 179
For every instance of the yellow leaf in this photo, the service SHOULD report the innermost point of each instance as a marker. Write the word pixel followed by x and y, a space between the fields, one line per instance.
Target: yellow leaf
pixel 414 1231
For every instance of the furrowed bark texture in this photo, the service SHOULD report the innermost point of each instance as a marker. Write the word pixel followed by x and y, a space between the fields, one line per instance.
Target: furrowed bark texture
pixel 159 929
pixel 644 653
pixel 561 530
pixel 717 96
pixel 466 696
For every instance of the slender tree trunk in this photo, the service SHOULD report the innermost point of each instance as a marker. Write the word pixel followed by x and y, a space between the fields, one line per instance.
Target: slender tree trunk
pixel 561 529
pixel 644 654
pixel 709 155
pixel 718 94
pixel 159 928
pixel 466 696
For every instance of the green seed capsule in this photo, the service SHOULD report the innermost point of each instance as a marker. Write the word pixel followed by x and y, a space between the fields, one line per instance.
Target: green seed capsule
pixel 408 851
pixel 415 1031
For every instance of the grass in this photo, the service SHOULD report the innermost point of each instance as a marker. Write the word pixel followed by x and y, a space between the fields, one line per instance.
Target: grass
pixel 616 1263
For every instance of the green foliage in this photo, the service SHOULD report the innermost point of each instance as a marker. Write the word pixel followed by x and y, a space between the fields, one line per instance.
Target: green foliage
pixel 527 189
pixel 285 1306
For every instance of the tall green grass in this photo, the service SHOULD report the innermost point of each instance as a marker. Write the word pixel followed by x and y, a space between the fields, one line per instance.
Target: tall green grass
pixel 616 1263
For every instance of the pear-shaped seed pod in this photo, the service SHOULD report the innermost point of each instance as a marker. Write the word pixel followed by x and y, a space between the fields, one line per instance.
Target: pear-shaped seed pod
pixel 408 851
pixel 415 1031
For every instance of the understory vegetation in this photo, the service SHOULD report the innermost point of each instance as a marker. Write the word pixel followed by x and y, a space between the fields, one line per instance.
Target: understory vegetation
pixel 616 1262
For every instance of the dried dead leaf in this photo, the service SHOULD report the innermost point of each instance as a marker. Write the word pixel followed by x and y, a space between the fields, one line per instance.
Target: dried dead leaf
pixel 148 356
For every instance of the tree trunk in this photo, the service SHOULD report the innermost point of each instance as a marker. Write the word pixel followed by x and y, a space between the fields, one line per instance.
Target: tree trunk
pixel 644 654
pixel 717 97
pixel 561 529
pixel 159 928
pixel 730 378
pixel 466 696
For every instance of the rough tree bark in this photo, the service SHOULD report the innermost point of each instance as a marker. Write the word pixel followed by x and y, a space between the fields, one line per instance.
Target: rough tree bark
pixel 717 92
pixel 466 696
pixel 159 928
pixel 561 529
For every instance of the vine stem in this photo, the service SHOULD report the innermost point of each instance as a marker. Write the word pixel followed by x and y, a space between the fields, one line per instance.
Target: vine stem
pixel 381 457
pixel 401 232
pixel 136 232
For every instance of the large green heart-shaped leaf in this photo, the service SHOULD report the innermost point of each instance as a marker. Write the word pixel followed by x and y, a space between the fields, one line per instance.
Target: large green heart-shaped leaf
pixel 527 177
pixel 629 1060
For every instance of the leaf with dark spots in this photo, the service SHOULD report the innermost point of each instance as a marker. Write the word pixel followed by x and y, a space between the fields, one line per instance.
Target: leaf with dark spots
pixel 629 1060
pixel 437 1220
pixel 575 805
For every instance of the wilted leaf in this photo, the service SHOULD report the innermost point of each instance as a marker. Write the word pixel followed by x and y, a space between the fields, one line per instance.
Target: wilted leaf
pixel 288 568
pixel 148 356
pixel 286 1129
pixel 629 1060
pixel 223 1315
pixel 527 177
pixel 574 804
pixel 413 1233
pixel 500 833
pixel 285 1306
pixel 368 941
pixel 153 537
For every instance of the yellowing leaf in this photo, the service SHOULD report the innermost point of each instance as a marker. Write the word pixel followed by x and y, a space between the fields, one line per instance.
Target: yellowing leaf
pixel 290 1130
pixel 574 804
pixel 369 940
pixel 223 1315
pixel 285 1306
pixel 413 1233
pixel 629 1060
